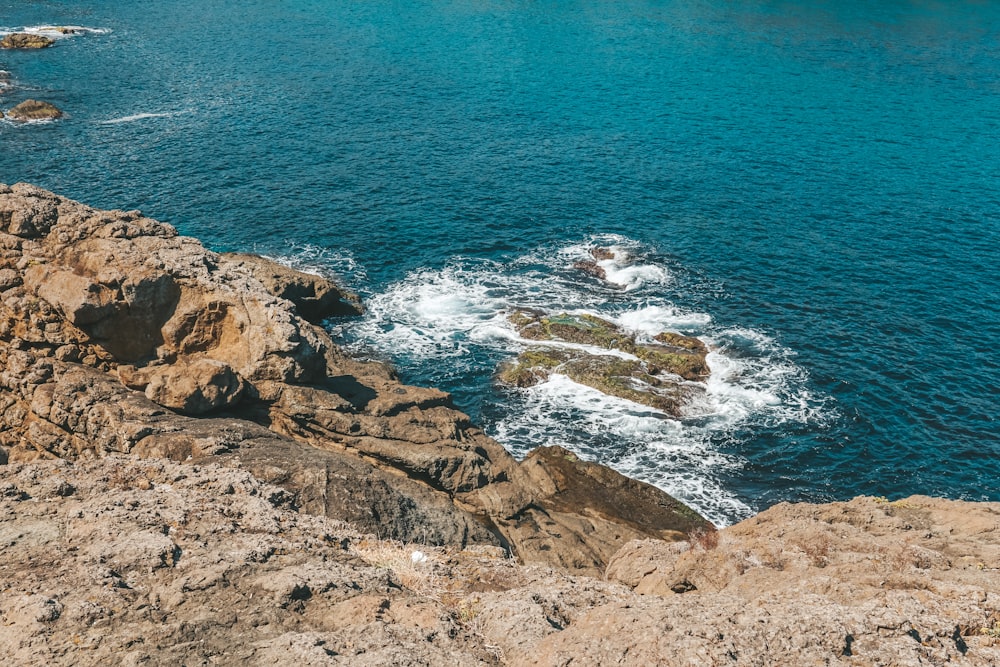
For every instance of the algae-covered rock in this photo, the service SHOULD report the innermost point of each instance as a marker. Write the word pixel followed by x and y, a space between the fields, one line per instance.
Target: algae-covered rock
pixel 533 366
pixel 581 329
pixel 660 375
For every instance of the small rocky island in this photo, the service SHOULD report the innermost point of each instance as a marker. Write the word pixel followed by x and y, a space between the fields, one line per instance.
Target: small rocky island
pixel 193 472
pixel 25 40
pixel 665 373
pixel 34 110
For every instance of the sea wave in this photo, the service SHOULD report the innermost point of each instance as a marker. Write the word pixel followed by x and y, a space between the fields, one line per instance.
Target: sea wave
pixel 459 312
pixel 140 116
pixel 56 31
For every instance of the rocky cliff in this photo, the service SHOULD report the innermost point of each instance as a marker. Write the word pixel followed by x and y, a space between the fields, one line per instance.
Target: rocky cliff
pixel 118 335
pixel 194 473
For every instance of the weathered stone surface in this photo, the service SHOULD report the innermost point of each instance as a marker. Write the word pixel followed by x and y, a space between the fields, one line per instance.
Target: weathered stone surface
pixel 24 40
pixel 124 560
pixel 34 110
pixel 587 510
pixel 195 387
pixel 152 562
pixel 315 297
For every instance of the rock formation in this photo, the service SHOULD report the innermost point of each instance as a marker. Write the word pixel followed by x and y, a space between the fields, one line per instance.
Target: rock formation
pixel 592 266
pixel 663 374
pixel 120 560
pixel 24 40
pixel 34 110
pixel 118 335
pixel 316 297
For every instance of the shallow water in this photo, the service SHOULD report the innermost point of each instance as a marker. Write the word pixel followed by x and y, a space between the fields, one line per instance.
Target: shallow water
pixel 812 187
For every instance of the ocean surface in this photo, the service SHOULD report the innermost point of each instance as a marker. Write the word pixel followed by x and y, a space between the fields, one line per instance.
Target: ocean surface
pixel 811 187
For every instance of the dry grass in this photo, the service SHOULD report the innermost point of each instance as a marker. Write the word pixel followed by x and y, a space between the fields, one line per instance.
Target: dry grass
pixel 817 549
pixel 417 575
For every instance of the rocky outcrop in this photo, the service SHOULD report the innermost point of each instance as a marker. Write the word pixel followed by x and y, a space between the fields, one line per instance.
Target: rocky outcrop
pixel 665 373
pixel 117 335
pixel 24 40
pixel 121 561
pixel 316 297
pixel 146 561
pixel 592 266
pixel 34 110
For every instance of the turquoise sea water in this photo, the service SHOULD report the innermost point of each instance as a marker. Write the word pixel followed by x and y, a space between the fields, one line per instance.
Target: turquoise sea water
pixel 812 187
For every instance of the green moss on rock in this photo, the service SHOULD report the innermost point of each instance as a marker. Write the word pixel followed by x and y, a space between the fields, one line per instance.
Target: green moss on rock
pixel 650 379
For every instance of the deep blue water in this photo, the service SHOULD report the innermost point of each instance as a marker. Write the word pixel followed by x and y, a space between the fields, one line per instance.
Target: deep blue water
pixel 812 187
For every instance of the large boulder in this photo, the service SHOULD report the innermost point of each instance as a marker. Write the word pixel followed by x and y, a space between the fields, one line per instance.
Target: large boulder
pixel 34 110
pixel 24 40
pixel 195 387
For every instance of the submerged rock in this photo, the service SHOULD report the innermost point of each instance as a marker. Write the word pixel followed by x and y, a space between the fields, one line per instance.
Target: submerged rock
pixel 591 266
pixel 24 40
pixel 61 29
pixel 662 375
pixel 34 110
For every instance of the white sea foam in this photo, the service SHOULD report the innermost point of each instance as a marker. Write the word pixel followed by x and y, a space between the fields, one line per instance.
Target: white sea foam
pixel 29 122
pixel 434 313
pixel 56 31
pixel 624 268
pixel 460 312
pixel 666 452
pixel 321 261
pixel 140 116
pixel 651 320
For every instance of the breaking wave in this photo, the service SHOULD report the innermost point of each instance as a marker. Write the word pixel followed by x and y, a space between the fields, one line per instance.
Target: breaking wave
pixel 56 31
pixel 459 313
pixel 140 116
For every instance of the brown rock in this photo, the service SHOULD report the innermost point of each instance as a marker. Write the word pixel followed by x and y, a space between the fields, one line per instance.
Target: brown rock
pixel 194 387
pixel 22 40
pixel 34 110
pixel 600 253
pixel 316 298
pixel 592 268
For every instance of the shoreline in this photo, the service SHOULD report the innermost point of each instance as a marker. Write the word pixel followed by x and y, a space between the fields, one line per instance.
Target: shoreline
pixel 192 471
